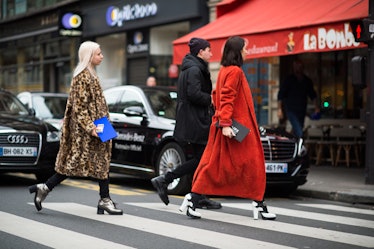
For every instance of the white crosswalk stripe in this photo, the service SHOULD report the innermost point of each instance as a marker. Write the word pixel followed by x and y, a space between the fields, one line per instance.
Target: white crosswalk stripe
pixel 318 233
pixel 203 237
pixel 339 208
pixel 310 215
pixel 56 237
pixel 51 236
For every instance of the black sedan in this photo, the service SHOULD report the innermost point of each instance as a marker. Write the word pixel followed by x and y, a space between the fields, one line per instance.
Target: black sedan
pixel 49 107
pixel 144 118
pixel 27 144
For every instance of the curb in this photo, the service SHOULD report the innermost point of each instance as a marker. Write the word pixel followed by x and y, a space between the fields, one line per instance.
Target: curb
pixel 342 196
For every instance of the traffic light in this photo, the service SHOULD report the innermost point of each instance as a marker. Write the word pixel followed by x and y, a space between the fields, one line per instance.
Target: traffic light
pixel 359 71
pixel 363 30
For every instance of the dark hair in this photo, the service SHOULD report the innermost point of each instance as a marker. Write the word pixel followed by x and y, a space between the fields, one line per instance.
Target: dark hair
pixel 232 52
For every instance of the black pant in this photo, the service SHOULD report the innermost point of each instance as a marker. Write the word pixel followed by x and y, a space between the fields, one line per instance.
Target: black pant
pixel 189 166
pixel 57 178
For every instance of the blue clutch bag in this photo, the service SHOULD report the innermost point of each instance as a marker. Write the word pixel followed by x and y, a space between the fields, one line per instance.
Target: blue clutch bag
pixel 107 130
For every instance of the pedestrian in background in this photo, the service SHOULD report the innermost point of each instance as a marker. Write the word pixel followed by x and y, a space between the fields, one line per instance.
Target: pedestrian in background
pixel 293 98
pixel 193 116
pixel 81 152
pixel 229 167
pixel 151 81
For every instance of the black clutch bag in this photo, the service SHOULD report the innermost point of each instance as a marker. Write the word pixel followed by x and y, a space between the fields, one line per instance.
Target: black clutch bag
pixel 240 130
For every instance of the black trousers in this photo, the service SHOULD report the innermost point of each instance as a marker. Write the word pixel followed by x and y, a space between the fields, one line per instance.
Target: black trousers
pixel 57 178
pixel 189 166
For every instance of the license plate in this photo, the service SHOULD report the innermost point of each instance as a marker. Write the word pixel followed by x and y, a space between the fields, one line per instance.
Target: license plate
pixel 276 167
pixel 19 151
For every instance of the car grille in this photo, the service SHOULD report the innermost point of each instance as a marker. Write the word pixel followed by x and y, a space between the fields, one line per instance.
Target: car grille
pixel 34 140
pixel 279 150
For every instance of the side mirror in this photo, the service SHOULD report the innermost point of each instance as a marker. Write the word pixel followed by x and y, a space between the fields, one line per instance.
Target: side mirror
pixel 32 111
pixel 134 111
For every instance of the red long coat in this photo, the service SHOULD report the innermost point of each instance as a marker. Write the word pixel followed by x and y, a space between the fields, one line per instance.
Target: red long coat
pixel 228 167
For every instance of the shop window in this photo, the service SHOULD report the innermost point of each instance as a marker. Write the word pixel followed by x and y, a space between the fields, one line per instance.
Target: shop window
pixel 159 67
pixel 112 70
pixel 330 73
pixel 262 75
pixel 20 6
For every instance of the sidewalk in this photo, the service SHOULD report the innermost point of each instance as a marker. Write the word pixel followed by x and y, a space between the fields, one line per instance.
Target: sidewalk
pixel 338 184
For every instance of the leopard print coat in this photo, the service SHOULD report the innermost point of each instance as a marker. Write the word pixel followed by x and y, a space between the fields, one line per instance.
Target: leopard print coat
pixel 82 154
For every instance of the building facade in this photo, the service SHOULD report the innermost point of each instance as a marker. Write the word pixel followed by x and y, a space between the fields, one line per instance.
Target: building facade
pixel 316 32
pixel 39 40
pixel 34 53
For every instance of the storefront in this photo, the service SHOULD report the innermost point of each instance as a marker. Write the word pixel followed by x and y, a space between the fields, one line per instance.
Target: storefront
pixel 38 51
pixel 317 32
pixel 136 37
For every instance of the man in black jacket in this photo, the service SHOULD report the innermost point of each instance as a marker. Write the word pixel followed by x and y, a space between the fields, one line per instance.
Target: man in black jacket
pixel 193 116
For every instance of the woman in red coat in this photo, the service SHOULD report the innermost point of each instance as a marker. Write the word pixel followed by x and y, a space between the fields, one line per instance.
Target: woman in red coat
pixel 229 167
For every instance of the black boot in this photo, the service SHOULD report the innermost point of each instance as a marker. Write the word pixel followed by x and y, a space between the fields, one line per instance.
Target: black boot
pixel 41 191
pixel 205 202
pixel 162 188
pixel 108 205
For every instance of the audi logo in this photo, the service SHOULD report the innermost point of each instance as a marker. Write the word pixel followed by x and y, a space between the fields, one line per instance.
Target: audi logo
pixel 17 139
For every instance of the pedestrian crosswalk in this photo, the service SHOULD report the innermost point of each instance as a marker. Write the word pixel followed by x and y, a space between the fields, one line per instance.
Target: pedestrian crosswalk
pixel 309 225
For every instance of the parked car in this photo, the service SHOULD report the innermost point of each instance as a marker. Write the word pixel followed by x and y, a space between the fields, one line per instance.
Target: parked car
pixel 49 107
pixel 27 144
pixel 144 118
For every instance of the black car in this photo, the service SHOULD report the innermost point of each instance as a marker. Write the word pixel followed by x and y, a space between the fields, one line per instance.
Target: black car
pixel 144 118
pixel 27 144
pixel 49 107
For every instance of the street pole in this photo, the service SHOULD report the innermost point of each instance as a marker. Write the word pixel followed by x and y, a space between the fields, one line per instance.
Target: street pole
pixel 369 158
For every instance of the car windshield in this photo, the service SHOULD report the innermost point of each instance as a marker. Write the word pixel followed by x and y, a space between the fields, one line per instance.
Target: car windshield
pixel 162 101
pixel 49 106
pixel 11 105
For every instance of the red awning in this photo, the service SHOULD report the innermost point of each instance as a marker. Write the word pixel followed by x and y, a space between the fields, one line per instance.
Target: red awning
pixel 275 28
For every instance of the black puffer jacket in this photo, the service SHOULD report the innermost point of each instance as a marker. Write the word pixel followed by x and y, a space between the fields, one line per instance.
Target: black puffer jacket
pixel 194 108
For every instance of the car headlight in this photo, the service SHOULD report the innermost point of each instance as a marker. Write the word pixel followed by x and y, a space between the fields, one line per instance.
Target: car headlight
pixel 53 136
pixel 301 149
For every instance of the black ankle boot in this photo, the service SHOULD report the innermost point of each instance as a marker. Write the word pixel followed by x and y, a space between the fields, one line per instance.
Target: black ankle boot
pixel 162 188
pixel 41 191
pixel 205 202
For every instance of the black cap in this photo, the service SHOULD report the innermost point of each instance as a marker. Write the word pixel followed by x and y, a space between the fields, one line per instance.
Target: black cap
pixel 196 44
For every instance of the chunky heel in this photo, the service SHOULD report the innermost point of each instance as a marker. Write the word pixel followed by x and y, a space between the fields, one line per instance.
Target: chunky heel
pixel 255 210
pixel 188 204
pixel 100 210
pixel 32 189
pixel 185 202
pixel 260 207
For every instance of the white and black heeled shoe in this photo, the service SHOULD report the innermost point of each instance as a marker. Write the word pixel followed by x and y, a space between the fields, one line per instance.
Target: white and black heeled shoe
pixel 260 207
pixel 188 205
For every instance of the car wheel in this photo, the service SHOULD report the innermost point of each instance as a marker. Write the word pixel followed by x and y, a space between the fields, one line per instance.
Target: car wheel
pixel 170 158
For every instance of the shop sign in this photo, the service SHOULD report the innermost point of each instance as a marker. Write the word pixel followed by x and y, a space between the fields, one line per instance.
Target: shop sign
pixel 138 45
pixel 330 38
pixel 321 38
pixel 70 24
pixel 117 16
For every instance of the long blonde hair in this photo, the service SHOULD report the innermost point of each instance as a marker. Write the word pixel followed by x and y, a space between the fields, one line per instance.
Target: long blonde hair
pixel 85 53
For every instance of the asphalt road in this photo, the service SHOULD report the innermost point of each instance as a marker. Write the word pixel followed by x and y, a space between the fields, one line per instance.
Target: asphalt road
pixel 69 220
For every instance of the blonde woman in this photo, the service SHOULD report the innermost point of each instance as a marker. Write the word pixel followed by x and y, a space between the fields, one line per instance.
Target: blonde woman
pixel 81 151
